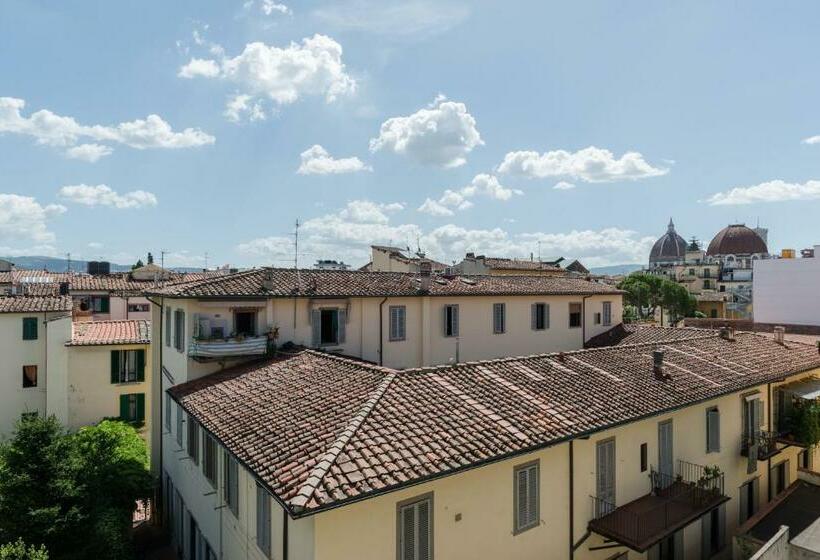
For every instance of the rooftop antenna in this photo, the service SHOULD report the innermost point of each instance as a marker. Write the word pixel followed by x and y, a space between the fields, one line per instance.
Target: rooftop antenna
pixel 68 262
pixel 539 250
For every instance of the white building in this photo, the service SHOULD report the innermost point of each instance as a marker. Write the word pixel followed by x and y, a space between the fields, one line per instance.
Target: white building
pixel 787 291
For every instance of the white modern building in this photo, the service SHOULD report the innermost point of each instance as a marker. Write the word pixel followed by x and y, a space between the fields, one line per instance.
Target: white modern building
pixel 787 291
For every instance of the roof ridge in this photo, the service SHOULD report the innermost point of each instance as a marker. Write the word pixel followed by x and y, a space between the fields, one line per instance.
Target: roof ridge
pixel 323 465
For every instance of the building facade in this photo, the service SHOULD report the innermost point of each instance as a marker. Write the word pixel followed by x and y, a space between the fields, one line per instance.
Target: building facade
pixel 785 290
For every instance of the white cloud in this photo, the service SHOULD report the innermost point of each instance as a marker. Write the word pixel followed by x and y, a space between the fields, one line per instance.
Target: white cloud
pixel 281 74
pixel 591 165
pixel 22 217
pixel 270 7
pixel 563 186
pixel 812 140
pixel 481 185
pixel 103 195
pixel 365 211
pixel 88 152
pixel 317 161
pixel 347 235
pixel 242 104
pixel 771 191
pixel 441 134
pixel 65 132
pixel 394 19
pixel 95 245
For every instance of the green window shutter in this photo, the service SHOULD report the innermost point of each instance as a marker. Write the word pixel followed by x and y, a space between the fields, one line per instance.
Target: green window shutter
pixel 140 407
pixel 115 367
pixel 124 408
pixel 140 365
pixel 105 304
pixel 29 328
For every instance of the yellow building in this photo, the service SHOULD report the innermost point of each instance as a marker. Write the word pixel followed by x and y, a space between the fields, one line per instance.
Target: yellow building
pixel 658 447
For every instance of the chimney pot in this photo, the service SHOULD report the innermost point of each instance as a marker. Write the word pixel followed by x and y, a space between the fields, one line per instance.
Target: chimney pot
pixel 778 335
pixel 657 364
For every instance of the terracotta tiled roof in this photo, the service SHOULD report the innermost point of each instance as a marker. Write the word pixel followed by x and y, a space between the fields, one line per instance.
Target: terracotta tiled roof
pixel 321 430
pixel 353 283
pixel 34 304
pixel 98 333
pixel 518 264
pixel 638 334
pixel 43 282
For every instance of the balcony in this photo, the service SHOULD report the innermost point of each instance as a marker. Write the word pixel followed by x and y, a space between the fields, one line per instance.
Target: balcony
pixel 763 444
pixel 673 503
pixel 207 348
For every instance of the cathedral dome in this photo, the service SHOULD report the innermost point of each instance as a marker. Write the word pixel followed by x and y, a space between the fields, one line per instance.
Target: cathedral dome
pixel 671 247
pixel 737 239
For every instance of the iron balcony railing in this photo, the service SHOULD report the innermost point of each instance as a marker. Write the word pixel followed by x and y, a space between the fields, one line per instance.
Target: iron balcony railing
pixel 763 443
pixel 674 501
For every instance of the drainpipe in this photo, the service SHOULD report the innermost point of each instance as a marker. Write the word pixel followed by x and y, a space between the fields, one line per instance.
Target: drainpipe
pixel 769 424
pixel 381 331
pixel 284 534
pixel 159 340
pixel 571 501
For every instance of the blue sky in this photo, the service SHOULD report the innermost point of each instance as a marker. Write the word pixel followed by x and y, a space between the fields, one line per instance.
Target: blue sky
pixel 444 123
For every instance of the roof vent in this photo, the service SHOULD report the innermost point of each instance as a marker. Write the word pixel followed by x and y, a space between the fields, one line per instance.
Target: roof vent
pixel 727 333
pixel 778 335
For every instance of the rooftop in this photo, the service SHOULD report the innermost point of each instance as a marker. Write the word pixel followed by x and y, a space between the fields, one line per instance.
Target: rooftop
pixel 34 304
pixel 287 282
pixel 98 333
pixel 518 264
pixel 321 430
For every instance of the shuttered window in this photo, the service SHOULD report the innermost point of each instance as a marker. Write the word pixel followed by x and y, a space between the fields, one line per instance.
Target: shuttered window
pixel 574 315
pixel 499 318
pixel 193 439
pixel 540 316
pixel 168 326
pixel 127 366
pixel 209 459
pixel 132 407
pixel 451 320
pixel 604 477
pixel 179 330
pixel 329 326
pixel 415 529
pixel 230 488
pixel 398 322
pixel 168 412
pixel 526 497
pixel 29 328
pixel 712 430
pixel 607 313
pixel 263 520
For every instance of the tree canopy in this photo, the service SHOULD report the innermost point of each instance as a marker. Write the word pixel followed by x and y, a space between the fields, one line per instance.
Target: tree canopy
pixel 646 292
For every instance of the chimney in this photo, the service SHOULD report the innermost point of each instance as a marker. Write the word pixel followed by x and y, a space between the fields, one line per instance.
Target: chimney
pixel 727 333
pixel 657 364
pixel 425 272
pixel 778 335
pixel 63 288
pixel 267 281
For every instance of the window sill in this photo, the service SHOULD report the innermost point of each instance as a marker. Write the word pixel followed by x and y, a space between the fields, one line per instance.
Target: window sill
pixel 526 528
pixel 397 340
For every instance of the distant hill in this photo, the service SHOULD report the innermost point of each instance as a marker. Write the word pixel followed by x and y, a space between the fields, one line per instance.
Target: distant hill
pixel 616 269
pixel 61 265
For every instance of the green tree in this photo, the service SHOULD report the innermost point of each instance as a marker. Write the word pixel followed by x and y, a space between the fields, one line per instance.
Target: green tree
pixel 138 264
pixel 677 301
pixel 647 292
pixel 150 258
pixel 19 551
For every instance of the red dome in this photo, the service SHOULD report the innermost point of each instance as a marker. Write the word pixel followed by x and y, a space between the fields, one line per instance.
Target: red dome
pixel 737 239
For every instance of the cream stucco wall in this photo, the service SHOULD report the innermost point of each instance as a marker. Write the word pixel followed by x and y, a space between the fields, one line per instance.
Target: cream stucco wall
pixel 47 353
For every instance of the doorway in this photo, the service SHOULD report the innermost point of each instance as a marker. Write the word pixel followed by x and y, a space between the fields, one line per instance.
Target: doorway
pixel 245 322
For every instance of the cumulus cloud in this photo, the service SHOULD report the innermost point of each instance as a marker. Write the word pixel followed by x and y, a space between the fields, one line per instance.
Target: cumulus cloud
pixel 103 195
pixel 347 235
pixel 591 165
pixel 771 191
pixel 241 106
pixel 403 19
pixel 317 161
pixel 563 186
pixel 22 217
pixel 482 185
pixel 441 134
pixel 65 132
pixel 812 140
pixel 281 75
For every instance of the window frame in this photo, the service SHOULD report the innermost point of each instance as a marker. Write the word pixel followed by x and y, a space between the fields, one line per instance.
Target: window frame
pixel 192 439
pixel 333 311
pixel 428 497
pixel 26 378
pixel 210 458
pixel 31 328
pixel 451 320
pixel 230 482
pixel 499 318
pixel 712 447
pixel 180 424
pixel 580 313
pixel 179 330
pixel 541 310
pixel 168 412
pixel 528 466
pixel 400 333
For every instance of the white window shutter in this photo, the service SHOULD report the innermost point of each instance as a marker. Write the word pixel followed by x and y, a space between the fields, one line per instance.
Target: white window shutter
pixel 341 319
pixel 316 327
pixel 521 488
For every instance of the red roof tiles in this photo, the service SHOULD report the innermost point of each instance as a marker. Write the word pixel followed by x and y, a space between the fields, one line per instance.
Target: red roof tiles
pixel 34 304
pixel 97 333
pixel 321 430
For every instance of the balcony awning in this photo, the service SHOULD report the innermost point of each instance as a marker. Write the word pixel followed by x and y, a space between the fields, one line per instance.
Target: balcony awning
pixel 808 389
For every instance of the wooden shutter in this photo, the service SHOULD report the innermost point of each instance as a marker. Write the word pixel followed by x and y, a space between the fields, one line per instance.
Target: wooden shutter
pixel 124 408
pixel 316 327
pixel 605 475
pixel 743 508
pixel 455 320
pixel 712 430
pixel 140 407
pixel 423 526
pixel 341 322
pixel 534 316
pixel 407 545
pixel 182 331
pixel 140 365
pixel 30 328
pixel 521 499
pixel 546 315
pixel 755 495
pixel 115 366
pixel 105 304
pixel 402 323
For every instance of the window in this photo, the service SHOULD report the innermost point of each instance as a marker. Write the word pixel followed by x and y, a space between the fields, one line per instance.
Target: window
pixel 263 520
pixel 127 366
pixel 398 322
pixel 451 320
pixel 597 318
pixel 713 532
pixel 29 376
pixel 179 425
pixel 138 308
pixel 132 407
pixel 706 285
pixel 414 527
pixel 95 304
pixel 29 328
pixel 644 457
pixel 245 323
pixel 328 326
pixel 209 458
pixel 193 439
pixel 691 272
pixel 779 478
pixel 179 330
pixel 707 273
pixel 230 489
pixel 526 497
pixel 168 323
pixel 167 412
pixel 607 313
pixel 749 493
pixel 499 318
pixel 712 430
pixel 574 315
pixel 713 313
pixel 540 316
